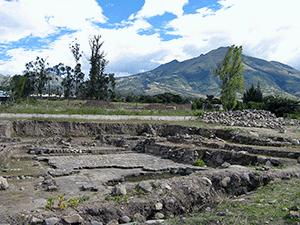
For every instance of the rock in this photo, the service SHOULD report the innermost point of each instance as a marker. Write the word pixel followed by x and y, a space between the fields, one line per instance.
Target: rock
pixel 208 209
pixel 225 182
pixel 51 221
pixel 36 221
pixel 159 216
pixel 96 223
pixel 125 219
pixel 145 186
pixel 64 143
pixel 87 187
pixel 221 213
pixel 113 222
pixel 3 184
pixel 245 118
pixel 154 222
pixel 119 190
pixel 207 180
pixel 40 203
pixel 139 218
pixel 158 206
pixel 73 219
pixel 298 160
pixel 166 186
pixel 269 164
pixel 52 188
pixel 293 215
pixel 285 209
pixel 225 165
pixel 295 142
pixel 272 202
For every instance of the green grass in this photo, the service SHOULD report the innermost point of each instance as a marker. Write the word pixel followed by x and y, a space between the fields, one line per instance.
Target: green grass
pixel 79 107
pixel 268 205
pixel 199 163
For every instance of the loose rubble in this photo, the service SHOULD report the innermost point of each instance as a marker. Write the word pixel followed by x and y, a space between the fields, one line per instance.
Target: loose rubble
pixel 245 118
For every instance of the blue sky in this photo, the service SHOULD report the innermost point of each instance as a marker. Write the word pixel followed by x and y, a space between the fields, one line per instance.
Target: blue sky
pixel 142 34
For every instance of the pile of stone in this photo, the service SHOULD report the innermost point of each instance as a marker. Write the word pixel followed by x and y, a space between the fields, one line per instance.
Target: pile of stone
pixel 245 118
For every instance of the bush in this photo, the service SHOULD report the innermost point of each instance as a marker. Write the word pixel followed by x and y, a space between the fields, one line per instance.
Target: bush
pixel 239 106
pixel 253 94
pixel 199 163
pixel 198 113
pixel 165 98
pixel 198 104
pixel 281 106
pixel 254 105
pixel 209 103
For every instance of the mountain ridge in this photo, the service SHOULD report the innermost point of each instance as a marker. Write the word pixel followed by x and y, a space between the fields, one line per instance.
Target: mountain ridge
pixel 195 77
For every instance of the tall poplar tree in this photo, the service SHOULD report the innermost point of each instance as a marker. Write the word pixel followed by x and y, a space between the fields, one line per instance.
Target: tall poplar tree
pixel 231 74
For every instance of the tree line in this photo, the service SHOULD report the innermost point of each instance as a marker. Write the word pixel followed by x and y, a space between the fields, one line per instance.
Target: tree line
pixel 37 76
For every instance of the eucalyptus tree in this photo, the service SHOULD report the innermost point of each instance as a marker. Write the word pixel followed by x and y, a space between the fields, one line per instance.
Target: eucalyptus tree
pixel 100 84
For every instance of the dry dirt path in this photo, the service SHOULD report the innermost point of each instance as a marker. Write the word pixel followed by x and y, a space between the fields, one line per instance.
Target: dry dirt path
pixel 95 117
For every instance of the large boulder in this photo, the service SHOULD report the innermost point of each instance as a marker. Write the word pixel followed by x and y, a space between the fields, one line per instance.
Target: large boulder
pixel 3 184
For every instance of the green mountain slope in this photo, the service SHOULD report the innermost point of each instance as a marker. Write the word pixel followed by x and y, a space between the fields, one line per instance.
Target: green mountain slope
pixel 195 77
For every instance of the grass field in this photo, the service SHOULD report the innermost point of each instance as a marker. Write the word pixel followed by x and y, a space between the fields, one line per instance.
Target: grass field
pixel 81 108
pixel 268 205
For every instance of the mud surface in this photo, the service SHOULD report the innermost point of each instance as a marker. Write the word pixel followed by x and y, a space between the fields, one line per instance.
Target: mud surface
pixel 116 173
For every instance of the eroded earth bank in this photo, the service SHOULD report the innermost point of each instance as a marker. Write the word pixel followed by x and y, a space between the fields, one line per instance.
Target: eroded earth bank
pixel 133 173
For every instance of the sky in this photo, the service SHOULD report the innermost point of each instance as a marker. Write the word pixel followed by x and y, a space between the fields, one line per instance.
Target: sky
pixel 139 35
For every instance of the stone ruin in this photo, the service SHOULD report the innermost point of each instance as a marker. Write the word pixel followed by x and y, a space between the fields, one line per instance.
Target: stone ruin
pixel 133 173
pixel 248 118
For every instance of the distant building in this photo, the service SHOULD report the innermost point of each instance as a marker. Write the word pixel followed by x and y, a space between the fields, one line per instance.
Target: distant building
pixel 4 96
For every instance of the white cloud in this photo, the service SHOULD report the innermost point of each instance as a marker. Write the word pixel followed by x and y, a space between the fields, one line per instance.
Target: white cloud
pixel 267 29
pixel 159 7
pixel 40 18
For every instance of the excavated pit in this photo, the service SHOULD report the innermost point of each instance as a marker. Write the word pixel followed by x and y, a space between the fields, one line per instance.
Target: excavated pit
pixel 155 163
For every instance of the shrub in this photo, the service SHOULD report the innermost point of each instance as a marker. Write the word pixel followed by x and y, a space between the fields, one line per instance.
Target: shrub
pixel 254 105
pixel 198 113
pixel 253 94
pixel 73 202
pixel 198 104
pixel 50 203
pixel 281 106
pixel 60 202
pixel 199 163
pixel 206 104
pixel 239 106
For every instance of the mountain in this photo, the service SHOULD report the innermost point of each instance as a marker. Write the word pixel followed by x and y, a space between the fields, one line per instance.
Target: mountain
pixel 54 84
pixel 4 82
pixel 195 77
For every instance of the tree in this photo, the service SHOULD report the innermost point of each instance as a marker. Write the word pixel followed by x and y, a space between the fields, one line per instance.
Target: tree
pixel 67 81
pixel 20 87
pixel 99 82
pixel 78 74
pixel 231 74
pixel 36 72
pixel 253 94
pixel 112 86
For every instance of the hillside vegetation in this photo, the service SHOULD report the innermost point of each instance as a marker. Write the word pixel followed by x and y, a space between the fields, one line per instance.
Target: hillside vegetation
pixel 195 77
